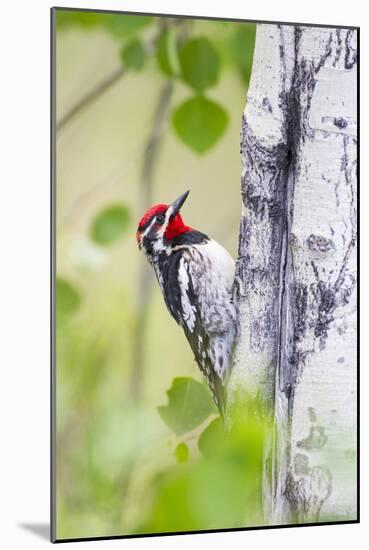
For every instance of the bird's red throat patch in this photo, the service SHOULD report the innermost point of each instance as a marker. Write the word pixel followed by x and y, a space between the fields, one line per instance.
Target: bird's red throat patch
pixel 175 227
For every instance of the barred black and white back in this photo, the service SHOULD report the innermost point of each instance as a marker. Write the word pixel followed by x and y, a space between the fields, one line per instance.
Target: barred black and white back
pixel 196 281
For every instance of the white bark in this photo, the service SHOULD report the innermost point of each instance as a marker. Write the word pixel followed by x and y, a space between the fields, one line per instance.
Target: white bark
pixel 296 272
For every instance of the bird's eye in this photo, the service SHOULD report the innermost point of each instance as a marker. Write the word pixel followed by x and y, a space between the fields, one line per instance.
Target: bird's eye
pixel 160 219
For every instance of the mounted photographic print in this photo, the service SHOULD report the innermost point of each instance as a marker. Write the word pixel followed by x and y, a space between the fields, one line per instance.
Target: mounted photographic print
pixel 204 274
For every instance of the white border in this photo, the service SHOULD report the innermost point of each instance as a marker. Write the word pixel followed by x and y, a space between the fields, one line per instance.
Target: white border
pixel 24 230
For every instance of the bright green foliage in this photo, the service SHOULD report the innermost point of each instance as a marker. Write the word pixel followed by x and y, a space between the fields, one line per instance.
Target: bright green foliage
pixel 124 25
pixel 222 490
pixel 181 453
pixel 121 468
pixel 133 55
pixel 197 60
pixel 167 54
pixel 190 403
pixel 110 224
pixel 67 298
pixel 199 63
pixel 84 19
pixel 211 438
pixel 120 25
pixel 200 122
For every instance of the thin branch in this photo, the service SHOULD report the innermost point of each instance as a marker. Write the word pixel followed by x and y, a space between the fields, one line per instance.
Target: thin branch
pixel 104 85
pixel 114 178
pixel 145 276
pixel 91 96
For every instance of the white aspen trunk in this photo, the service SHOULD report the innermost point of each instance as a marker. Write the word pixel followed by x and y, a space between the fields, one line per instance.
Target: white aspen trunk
pixel 296 271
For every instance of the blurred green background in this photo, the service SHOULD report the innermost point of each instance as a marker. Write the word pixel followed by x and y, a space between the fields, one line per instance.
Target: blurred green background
pixel 147 108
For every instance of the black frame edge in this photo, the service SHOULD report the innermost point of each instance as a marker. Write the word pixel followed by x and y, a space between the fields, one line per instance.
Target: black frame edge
pixel 207 531
pixel 206 17
pixel 358 411
pixel 52 274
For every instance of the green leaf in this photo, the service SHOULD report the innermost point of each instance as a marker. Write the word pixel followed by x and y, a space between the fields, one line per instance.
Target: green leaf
pixel 189 405
pixel 199 123
pixel 110 224
pixel 133 55
pixel 67 298
pixel 242 45
pixel 123 25
pixel 181 453
pixel 199 63
pixel 119 25
pixel 212 438
pixel 167 54
pixel 86 19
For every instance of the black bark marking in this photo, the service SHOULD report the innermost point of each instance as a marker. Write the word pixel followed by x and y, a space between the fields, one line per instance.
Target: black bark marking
pixel 315 270
pixel 267 104
pixel 327 303
pixel 301 301
pixel 318 243
pixel 263 196
pixel 290 307
pixel 351 51
pixel 340 122
pixel 298 101
pixel 303 85
pixel 307 489
pixel 316 439
pixel 327 53
pixel 339 47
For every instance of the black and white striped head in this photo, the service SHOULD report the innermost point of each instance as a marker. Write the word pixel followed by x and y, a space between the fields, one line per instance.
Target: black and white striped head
pixel 160 225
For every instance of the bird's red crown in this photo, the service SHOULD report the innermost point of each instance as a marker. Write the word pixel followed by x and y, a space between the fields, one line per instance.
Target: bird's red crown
pixel 175 226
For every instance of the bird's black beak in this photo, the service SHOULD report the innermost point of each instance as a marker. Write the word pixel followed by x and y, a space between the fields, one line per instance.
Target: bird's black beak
pixel 177 204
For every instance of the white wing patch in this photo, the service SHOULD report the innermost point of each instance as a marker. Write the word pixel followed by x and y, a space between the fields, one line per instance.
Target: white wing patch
pixel 189 310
